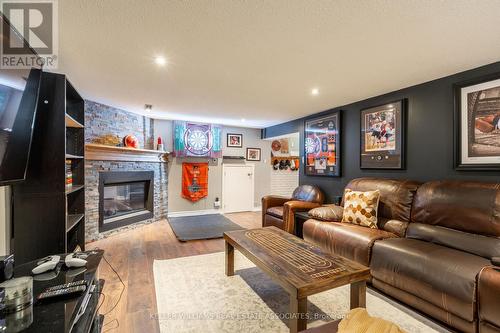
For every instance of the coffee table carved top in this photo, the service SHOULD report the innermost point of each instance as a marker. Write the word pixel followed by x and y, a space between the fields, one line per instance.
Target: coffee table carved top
pixel 300 265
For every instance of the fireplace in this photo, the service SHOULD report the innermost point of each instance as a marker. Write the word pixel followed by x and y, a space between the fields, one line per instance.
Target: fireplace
pixel 125 197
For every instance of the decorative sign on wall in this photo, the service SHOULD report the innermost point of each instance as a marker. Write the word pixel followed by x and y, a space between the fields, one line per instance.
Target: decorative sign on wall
pixel 194 181
pixel 322 146
pixel 383 136
pixel 477 124
pixel 197 140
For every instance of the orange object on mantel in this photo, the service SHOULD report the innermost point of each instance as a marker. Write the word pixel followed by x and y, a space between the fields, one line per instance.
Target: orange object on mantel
pixel 130 141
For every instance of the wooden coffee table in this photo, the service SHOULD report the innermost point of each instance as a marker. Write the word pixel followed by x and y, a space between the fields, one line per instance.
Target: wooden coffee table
pixel 301 268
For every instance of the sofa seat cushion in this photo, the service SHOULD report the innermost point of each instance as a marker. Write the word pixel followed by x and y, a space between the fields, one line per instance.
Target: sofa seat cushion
pixel 276 211
pixel 443 276
pixel 348 240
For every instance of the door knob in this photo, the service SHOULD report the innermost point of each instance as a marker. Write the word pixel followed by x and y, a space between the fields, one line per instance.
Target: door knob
pixel 249 174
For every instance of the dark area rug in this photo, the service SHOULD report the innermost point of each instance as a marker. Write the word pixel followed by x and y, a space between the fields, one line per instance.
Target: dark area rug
pixel 201 227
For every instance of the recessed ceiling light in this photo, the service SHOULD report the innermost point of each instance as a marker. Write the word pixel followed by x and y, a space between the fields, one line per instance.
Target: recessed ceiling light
pixel 315 91
pixel 160 61
pixel 243 120
pixel 390 106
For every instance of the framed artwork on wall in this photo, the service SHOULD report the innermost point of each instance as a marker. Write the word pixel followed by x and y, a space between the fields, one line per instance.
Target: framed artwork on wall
pixel 253 154
pixel 234 140
pixel 322 145
pixel 383 130
pixel 477 124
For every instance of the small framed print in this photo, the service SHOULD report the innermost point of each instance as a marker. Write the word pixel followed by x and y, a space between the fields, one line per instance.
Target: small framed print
pixel 383 136
pixel 477 124
pixel 253 154
pixel 235 140
pixel 322 145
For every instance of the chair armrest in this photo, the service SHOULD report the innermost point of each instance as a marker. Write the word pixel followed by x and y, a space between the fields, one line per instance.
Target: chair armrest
pixel 273 201
pixel 489 295
pixel 300 206
pixel 289 209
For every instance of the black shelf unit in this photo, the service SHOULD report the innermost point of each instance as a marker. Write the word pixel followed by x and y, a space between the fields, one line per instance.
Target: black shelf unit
pixel 48 216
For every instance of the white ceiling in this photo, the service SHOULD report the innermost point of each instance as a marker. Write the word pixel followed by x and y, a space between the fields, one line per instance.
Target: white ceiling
pixel 259 59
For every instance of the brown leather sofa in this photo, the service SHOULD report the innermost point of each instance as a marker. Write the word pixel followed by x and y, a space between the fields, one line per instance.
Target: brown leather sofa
pixel 489 299
pixel 279 211
pixel 355 242
pixel 434 261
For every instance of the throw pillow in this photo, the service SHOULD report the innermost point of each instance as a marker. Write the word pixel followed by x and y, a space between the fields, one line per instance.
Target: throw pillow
pixel 361 208
pixel 332 213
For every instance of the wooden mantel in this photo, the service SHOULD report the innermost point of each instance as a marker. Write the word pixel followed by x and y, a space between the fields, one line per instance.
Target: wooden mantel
pixel 100 152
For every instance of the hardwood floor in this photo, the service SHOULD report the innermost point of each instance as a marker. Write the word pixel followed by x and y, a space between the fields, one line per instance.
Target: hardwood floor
pixel 131 253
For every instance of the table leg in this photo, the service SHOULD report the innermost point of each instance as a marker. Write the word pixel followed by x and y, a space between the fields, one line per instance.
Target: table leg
pixel 298 314
pixel 229 259
pixel 358 294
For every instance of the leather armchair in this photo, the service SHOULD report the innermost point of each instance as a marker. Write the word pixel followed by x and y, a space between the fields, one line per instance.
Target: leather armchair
pixel 489 299
pixel 280 211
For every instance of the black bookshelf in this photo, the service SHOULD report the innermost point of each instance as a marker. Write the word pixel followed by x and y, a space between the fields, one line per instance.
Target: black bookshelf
pixel 49 216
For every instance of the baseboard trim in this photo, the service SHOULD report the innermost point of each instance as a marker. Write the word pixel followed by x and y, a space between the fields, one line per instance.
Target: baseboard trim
pixel 257 209
pixel 194 212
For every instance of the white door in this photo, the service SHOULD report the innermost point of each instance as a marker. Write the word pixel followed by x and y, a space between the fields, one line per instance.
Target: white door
pixel 237 188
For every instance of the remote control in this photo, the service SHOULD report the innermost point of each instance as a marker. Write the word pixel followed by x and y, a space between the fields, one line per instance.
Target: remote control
pixel 68 285
pixel 61 292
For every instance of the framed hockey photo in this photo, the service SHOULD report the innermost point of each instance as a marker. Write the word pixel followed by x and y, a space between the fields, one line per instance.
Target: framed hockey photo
pixel 477 124
pixel 383 136
pixel 322 145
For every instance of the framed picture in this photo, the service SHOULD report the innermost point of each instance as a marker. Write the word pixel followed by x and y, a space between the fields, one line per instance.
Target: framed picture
pixel 253 154
pixel 477 124
pixel 235 140
pixel 322 145
pixel 383 130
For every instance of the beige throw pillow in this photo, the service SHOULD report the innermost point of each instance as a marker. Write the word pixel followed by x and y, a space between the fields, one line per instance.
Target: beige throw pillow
pixel 332 213
pixel 361 208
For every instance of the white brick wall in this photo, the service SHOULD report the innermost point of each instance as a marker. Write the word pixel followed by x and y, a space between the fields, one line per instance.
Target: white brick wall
pixel 283 182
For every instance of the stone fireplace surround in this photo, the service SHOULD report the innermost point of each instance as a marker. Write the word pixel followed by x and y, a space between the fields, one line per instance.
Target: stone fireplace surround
pixel 101 123
pixel 92 169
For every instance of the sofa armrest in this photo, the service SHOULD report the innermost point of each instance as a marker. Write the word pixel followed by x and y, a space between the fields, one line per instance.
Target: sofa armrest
pixel 327 213
pixel 489 295
pixel 289 210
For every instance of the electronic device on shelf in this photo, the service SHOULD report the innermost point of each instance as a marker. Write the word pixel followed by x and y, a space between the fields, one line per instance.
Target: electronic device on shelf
pixel 46 264
pixel 75 260
pixel 62 292
pixel 50 263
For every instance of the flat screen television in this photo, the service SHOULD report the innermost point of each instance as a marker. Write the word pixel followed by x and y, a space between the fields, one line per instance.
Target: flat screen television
pixel 19 91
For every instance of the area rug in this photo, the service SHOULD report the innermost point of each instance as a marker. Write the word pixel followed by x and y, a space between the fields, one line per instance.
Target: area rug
pixel 188 228
pixel 194 295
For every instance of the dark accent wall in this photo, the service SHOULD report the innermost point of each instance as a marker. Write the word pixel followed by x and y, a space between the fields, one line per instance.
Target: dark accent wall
pixel 429 139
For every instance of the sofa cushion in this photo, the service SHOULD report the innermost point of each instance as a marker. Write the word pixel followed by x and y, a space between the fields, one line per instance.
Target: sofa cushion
pixel 332 213
pixel 361 208
pixel 396 196
pixel 276 211
pixel 442 276
pixel 348 240
pixel 484 246
pixel 467 206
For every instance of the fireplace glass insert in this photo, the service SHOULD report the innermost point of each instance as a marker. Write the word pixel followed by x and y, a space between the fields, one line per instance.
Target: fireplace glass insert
pixel 124 197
